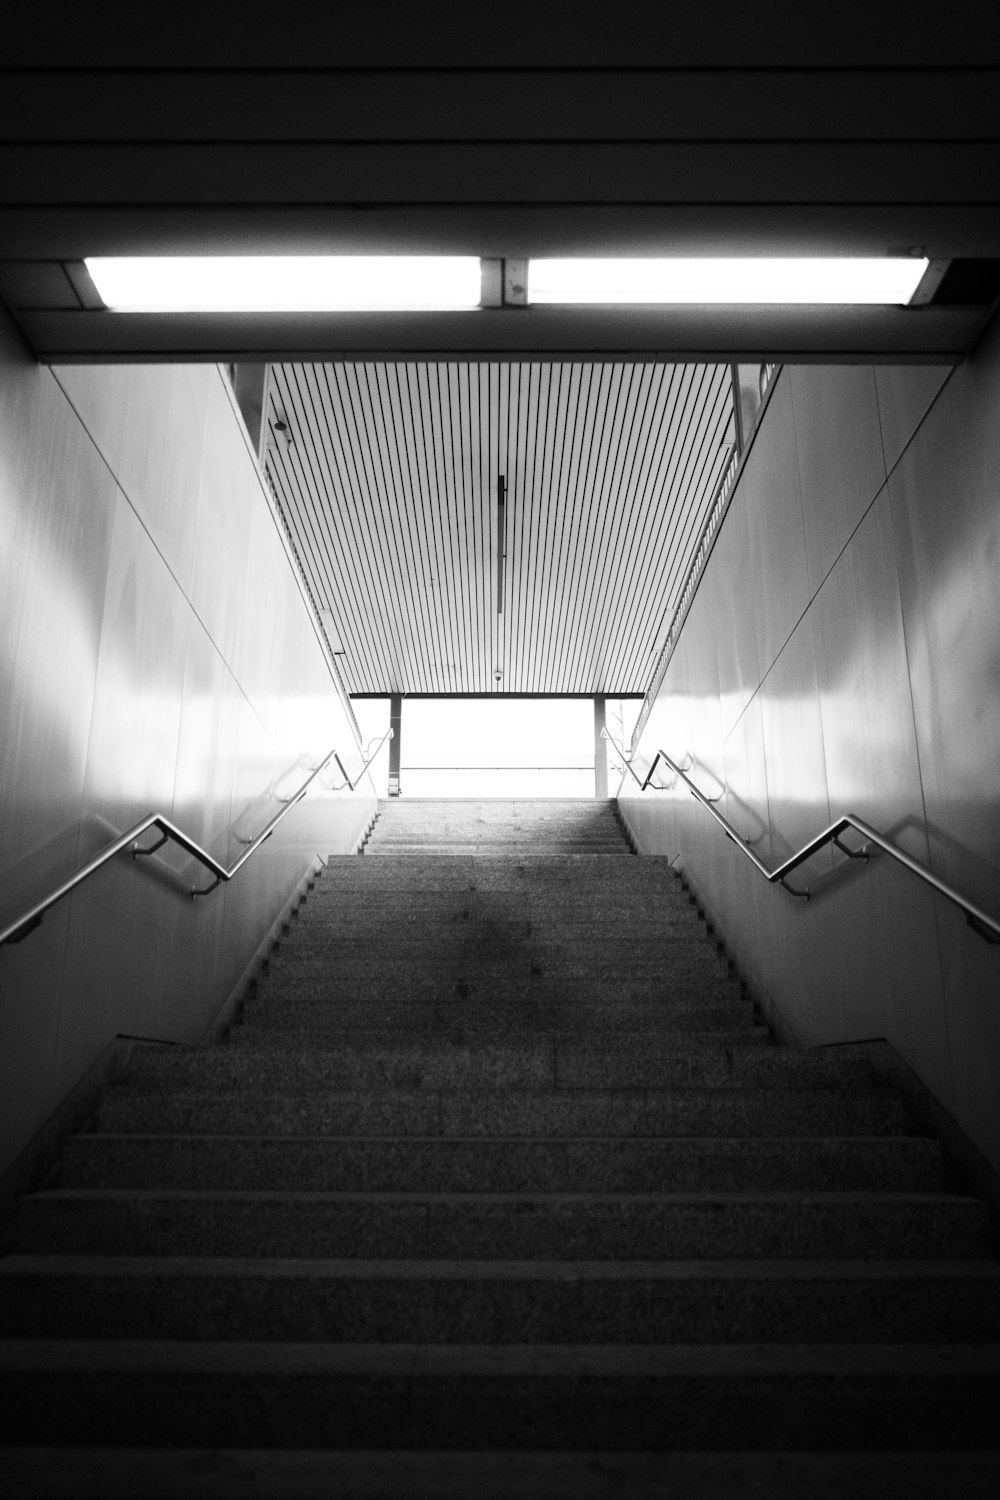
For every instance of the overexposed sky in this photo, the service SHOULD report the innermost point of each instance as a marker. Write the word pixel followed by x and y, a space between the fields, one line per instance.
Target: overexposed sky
pixel 549 740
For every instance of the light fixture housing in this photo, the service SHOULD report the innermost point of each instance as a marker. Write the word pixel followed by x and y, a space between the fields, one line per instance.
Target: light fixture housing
pixel 287 283
pixel 736 281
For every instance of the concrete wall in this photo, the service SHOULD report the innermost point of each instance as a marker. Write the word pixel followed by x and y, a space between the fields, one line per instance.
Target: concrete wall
pixel 156 654
pixel 843 654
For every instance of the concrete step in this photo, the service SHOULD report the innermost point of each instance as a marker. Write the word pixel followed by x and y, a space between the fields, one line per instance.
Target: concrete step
pixel 185 1473
pixel 584 941
pixel 599 1061
pixel 322 993
pixel 490 848
pixel 524 866
pixel 445 1164
pixel 469 1023
pixel 352 916
pixel 538 1005
pixel 579 1112
pixel 413 1397
pixel 520 869
pixel 690 962
pixel 502 1302
pixel 482 1226
pixel 714 1062
pixel 410 973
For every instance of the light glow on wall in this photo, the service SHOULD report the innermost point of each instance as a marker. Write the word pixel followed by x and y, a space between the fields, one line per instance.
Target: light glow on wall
pixel 289 283
pixel 831 280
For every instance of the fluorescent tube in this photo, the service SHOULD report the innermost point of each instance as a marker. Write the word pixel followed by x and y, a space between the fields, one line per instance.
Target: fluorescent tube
pixel 286 283
pixel 705 280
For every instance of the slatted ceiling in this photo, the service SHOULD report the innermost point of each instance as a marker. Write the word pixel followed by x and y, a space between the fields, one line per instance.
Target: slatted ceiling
pixel 389 490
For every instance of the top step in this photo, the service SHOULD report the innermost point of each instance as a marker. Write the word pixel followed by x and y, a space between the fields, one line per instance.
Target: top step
pixel 497 827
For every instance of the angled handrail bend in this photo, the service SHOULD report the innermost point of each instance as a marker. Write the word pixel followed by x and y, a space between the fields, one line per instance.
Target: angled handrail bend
pixel 981 922
pixel 30 919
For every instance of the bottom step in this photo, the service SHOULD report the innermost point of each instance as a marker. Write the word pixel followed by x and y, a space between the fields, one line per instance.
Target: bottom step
pixel 471 1398
pixel 253 1474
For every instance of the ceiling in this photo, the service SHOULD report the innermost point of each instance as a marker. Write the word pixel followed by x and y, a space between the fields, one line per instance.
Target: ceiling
pixel 386 474
pixel 436 127
pixel 535 129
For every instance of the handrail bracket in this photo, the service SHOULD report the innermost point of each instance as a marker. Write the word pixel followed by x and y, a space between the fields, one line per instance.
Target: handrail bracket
pixel 138 853
pixel 862 853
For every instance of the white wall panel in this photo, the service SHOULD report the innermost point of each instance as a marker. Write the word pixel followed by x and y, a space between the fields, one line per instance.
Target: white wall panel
pixel 905 393
pixel 770 493
pixel 839 446
pixel 157 656
pixel 945 501
pixel 882 700
pixel 163 452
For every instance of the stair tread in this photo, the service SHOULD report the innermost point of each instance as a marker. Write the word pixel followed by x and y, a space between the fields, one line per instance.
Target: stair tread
pixel 537 1361
pixel 558 1271
pixel 251 1474
pixel 707 1199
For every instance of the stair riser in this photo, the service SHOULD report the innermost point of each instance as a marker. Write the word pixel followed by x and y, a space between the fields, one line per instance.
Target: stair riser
pixel 622 950
pixel 470 1309
pixel 441 1165
pixel 349 1021
pixel 263 1069
pixel 692 973
pixel 519 1229
pixel 321 994
pixel 619 1061
pixel 421 1113
pixel 264 1409
pixel 182 1474
pixel 432 923
pixel 491 848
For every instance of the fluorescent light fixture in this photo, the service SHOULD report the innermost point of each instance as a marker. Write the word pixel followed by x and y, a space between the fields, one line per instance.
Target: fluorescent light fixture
pixel 837 280
pixel 287 283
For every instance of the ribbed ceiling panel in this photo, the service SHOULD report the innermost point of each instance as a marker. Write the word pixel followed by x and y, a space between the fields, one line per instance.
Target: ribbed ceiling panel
pixel 387 475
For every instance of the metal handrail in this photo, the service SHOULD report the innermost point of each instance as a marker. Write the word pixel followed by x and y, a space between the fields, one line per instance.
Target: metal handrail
pixel 29 920
pixel 626 762
pixel 370 753
pixel 981 922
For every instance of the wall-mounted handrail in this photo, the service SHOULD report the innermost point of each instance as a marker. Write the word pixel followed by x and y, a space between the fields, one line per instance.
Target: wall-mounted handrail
pixel 370 755
pixel 627 763
pixel 29 920
pixel 981 922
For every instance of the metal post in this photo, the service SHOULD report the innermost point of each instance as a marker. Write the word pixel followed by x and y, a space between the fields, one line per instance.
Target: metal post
pixel 734 375
pixel 396 725
pixel 600 749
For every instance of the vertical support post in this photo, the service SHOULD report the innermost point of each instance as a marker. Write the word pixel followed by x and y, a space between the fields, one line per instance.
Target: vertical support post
pixel 734 375
pixel 600 749
pixel 396 725
pixel 501 537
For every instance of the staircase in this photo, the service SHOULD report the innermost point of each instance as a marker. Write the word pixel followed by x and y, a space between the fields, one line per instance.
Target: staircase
pixel 498 1189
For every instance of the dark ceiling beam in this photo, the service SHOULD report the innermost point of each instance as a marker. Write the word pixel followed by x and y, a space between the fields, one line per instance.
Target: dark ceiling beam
pixel 453 33
pixel 573 128
pixel 802 174
pixel 489 104
pixel 717 333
